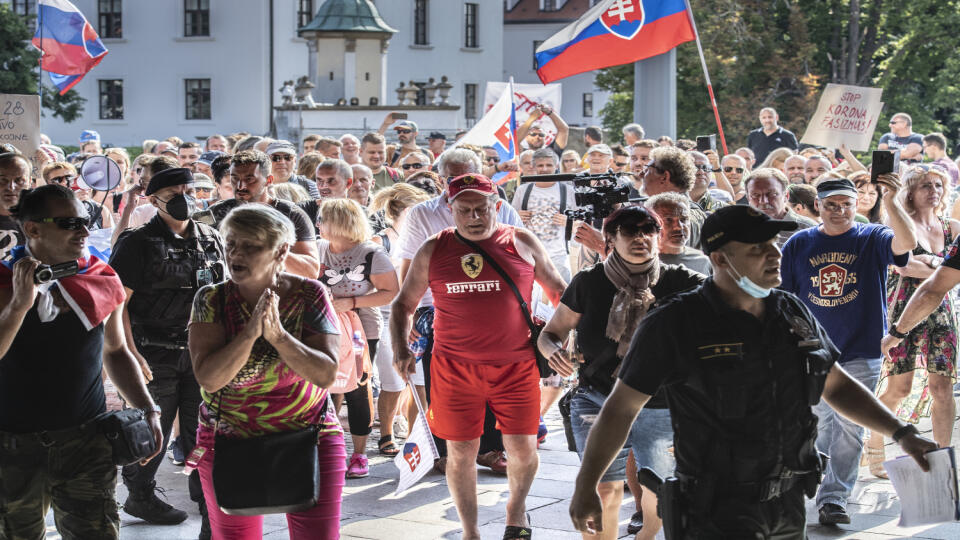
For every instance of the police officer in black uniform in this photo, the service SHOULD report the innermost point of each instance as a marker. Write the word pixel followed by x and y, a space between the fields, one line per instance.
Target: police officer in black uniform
pixel 161 265
pixel 740 364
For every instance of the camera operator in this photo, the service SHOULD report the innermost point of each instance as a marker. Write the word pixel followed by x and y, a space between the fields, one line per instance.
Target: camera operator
pixel 162 265
pixel 55 339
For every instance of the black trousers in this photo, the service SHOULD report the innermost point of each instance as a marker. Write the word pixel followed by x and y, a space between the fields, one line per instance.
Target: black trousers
pixel 782 518
pixel 492 438
pixel 174 388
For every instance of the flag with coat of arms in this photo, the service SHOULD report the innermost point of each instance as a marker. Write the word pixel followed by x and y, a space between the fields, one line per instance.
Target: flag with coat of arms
pixel 498 129
pixel 418 453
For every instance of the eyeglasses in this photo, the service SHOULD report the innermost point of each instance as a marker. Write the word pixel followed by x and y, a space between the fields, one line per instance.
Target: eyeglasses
pixel 404 131
pixel 281 157
pixel 63 179
pixel 703 168
pixel 657 167
pixel 408 166
pixel 838 208
pixel 646 228
pixel 731 169
pixel 66 223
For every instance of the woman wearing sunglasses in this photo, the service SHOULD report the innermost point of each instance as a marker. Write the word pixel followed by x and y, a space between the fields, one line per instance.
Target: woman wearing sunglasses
pixel 605 304
pixel 65 174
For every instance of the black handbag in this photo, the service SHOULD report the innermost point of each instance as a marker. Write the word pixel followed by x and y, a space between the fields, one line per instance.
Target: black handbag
pixel 543 365
pixel 129 435
pixel 277 473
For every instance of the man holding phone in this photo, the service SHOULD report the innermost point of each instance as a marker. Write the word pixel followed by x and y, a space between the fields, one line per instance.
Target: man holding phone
pixel 839 271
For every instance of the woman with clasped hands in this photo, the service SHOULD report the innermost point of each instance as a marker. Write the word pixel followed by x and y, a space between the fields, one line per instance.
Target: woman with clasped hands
pixel 264 346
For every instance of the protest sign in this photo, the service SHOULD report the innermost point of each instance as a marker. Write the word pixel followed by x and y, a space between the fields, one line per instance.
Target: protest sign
pixel 20 122
pixel 845 115
pixel 526 97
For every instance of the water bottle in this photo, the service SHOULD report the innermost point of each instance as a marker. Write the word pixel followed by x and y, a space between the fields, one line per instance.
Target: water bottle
pixel 358 345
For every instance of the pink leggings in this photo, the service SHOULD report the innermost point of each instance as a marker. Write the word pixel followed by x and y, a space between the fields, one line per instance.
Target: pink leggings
pixel 320 522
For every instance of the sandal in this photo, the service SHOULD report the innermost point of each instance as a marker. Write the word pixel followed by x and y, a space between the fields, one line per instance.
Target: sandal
pixel 875 458
pixel 387 446
pixel 512 532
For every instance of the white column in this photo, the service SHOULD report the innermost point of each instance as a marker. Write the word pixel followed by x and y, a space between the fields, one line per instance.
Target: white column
pixel 350 69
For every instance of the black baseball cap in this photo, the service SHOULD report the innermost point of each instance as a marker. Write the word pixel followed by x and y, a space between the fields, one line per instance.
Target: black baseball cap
pixel 740 223
pixel 836 186
pixel 436 135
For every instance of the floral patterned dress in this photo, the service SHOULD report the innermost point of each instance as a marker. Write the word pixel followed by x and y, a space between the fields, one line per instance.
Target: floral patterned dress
pixel 931 345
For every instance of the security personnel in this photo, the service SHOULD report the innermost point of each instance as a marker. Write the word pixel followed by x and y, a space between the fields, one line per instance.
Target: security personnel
pixel 161 265
pixel 740 364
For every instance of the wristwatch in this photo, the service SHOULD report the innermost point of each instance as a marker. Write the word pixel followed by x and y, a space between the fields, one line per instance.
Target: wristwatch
pixel 717 169
pixel 908 429
pixel 156 408
pixel 896 333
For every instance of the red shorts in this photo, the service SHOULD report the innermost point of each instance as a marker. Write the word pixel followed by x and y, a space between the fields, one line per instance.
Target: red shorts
pixel 459 393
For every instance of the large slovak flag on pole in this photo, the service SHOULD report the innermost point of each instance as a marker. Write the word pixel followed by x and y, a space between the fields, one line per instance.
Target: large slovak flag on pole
pixel 497 128
pixel 70 45
pixel 612 33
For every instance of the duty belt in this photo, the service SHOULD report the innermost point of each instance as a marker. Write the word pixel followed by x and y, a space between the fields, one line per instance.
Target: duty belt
pixel 46 439
pixel 759 491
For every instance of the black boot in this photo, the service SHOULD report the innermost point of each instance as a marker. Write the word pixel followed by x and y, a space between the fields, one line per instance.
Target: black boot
pixel 205 533
pixel 148 507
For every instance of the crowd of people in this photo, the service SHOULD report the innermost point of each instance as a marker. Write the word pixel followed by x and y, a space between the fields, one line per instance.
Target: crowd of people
pixel 254 286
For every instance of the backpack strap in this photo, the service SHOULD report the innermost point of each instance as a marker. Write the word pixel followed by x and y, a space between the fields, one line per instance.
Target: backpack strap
pixel 526 197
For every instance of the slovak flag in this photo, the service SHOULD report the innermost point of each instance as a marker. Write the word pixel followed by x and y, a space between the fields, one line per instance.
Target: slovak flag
pixel 497 128
pixel 612 33
pixel 70 45
pixel 416 458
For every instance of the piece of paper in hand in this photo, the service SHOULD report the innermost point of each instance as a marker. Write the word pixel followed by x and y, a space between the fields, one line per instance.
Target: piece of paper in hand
pixel 926 497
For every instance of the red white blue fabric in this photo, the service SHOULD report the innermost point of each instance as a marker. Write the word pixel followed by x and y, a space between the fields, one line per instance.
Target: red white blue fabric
pixel 70 45
pixel 614 32
pixel 497 128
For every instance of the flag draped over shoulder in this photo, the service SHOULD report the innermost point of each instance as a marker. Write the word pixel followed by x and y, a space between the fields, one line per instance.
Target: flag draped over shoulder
pixel 612 33
pixel 70 45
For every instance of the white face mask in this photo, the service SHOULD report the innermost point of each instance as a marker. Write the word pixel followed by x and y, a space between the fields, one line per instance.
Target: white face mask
pixel 746 284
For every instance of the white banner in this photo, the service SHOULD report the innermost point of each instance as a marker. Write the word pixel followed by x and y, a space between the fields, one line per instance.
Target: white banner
pixel 526 97
pixel 20 122
pixel 418 453
pixel 845 115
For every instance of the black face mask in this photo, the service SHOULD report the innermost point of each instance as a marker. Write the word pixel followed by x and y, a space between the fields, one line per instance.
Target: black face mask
pixel 180 207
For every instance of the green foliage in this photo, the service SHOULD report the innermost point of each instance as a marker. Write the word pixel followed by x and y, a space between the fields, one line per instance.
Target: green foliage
pixel 782 53
pixel 19 65
pixel 617 113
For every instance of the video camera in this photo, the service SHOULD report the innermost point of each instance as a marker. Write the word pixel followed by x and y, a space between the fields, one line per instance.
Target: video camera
pixel 596 195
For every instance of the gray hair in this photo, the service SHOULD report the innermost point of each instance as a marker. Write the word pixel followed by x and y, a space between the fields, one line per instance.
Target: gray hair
pixel 350 136
pixel 460 156
pixel 668 198
pixel 341 168
pixel 361 169
pixel 546 153
pixel 260 222
pixel 742 161
pixel 635 129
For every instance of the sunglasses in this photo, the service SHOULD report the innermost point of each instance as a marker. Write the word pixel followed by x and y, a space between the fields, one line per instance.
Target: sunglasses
pixel 731 169
pixel 63 180
pixel 281 157
pixel 703 168
pixel 404 131
pixel 622 164
pixel 647 228
pixel 536 135
pixel 408 166
pixel 66 223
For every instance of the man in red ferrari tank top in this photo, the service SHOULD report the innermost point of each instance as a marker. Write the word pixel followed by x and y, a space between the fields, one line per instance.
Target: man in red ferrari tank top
pixel 482 352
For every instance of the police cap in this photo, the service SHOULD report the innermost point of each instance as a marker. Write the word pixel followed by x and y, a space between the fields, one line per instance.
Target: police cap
pixel 169 177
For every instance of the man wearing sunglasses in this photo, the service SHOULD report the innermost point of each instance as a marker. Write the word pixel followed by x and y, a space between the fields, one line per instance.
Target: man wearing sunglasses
pixel 162 265
pixel 414 162
pixel 406 131
pixel 55 341
pixel 14 177
pixel 901 137
pixel 839 270
pixel 734 167
pixel 283 160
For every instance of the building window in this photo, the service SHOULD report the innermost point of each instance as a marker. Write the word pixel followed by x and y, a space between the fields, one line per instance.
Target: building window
pixel 588 104
pixel 536 45
pixel 198 99
pixel 470 101
pixel 28 10
pixel 196 18
pixel 420 36
pixel 304 13
pixel 549 5
pixel 470 26
pixel 110 19
pixel 111 99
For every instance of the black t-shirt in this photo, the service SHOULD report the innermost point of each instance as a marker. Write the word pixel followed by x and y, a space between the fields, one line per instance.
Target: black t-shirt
pixel 10 236
pixel 590 294
pixel 952 260
pixel 305 232
pixel 762 144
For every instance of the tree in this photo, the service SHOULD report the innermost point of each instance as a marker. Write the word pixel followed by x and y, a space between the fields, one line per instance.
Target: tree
pixel 19 68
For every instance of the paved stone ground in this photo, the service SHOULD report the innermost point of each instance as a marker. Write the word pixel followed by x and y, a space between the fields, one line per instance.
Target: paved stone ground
pixel 426 511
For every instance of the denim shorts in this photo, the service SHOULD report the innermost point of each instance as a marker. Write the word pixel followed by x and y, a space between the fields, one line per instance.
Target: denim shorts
pixel 651 436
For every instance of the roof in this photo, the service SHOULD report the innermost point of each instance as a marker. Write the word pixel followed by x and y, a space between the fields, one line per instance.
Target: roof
pixel 347 16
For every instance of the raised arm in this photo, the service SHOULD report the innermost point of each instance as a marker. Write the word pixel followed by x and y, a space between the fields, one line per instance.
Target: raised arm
pixel 904 232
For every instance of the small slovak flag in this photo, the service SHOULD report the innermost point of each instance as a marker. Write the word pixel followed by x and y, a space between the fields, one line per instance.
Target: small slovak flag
pixel 416 458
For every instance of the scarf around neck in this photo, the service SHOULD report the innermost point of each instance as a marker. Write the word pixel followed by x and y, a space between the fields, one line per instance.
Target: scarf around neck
pixel 633 298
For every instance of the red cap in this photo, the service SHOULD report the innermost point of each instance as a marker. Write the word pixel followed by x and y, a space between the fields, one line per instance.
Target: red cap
pixel 477 183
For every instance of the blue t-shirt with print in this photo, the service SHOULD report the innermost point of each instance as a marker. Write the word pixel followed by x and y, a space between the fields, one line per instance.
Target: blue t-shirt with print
pixel 843 279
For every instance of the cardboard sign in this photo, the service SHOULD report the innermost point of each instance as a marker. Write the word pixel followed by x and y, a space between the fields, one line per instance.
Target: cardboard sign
pixel 20 122
pixel 526 97
pixel 845 115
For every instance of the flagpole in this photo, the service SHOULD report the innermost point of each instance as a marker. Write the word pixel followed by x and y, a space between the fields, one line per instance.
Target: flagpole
pixel 40 70
pixel 706 75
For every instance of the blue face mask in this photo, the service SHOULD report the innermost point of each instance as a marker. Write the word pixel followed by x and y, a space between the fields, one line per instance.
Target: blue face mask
pixel 747 285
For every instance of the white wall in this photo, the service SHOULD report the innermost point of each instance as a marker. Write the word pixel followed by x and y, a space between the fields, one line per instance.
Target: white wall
pixel 518 61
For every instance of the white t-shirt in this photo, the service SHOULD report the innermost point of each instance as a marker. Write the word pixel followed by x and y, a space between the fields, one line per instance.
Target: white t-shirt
pixel 142 214
pixel 429 218
pixel 545 203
